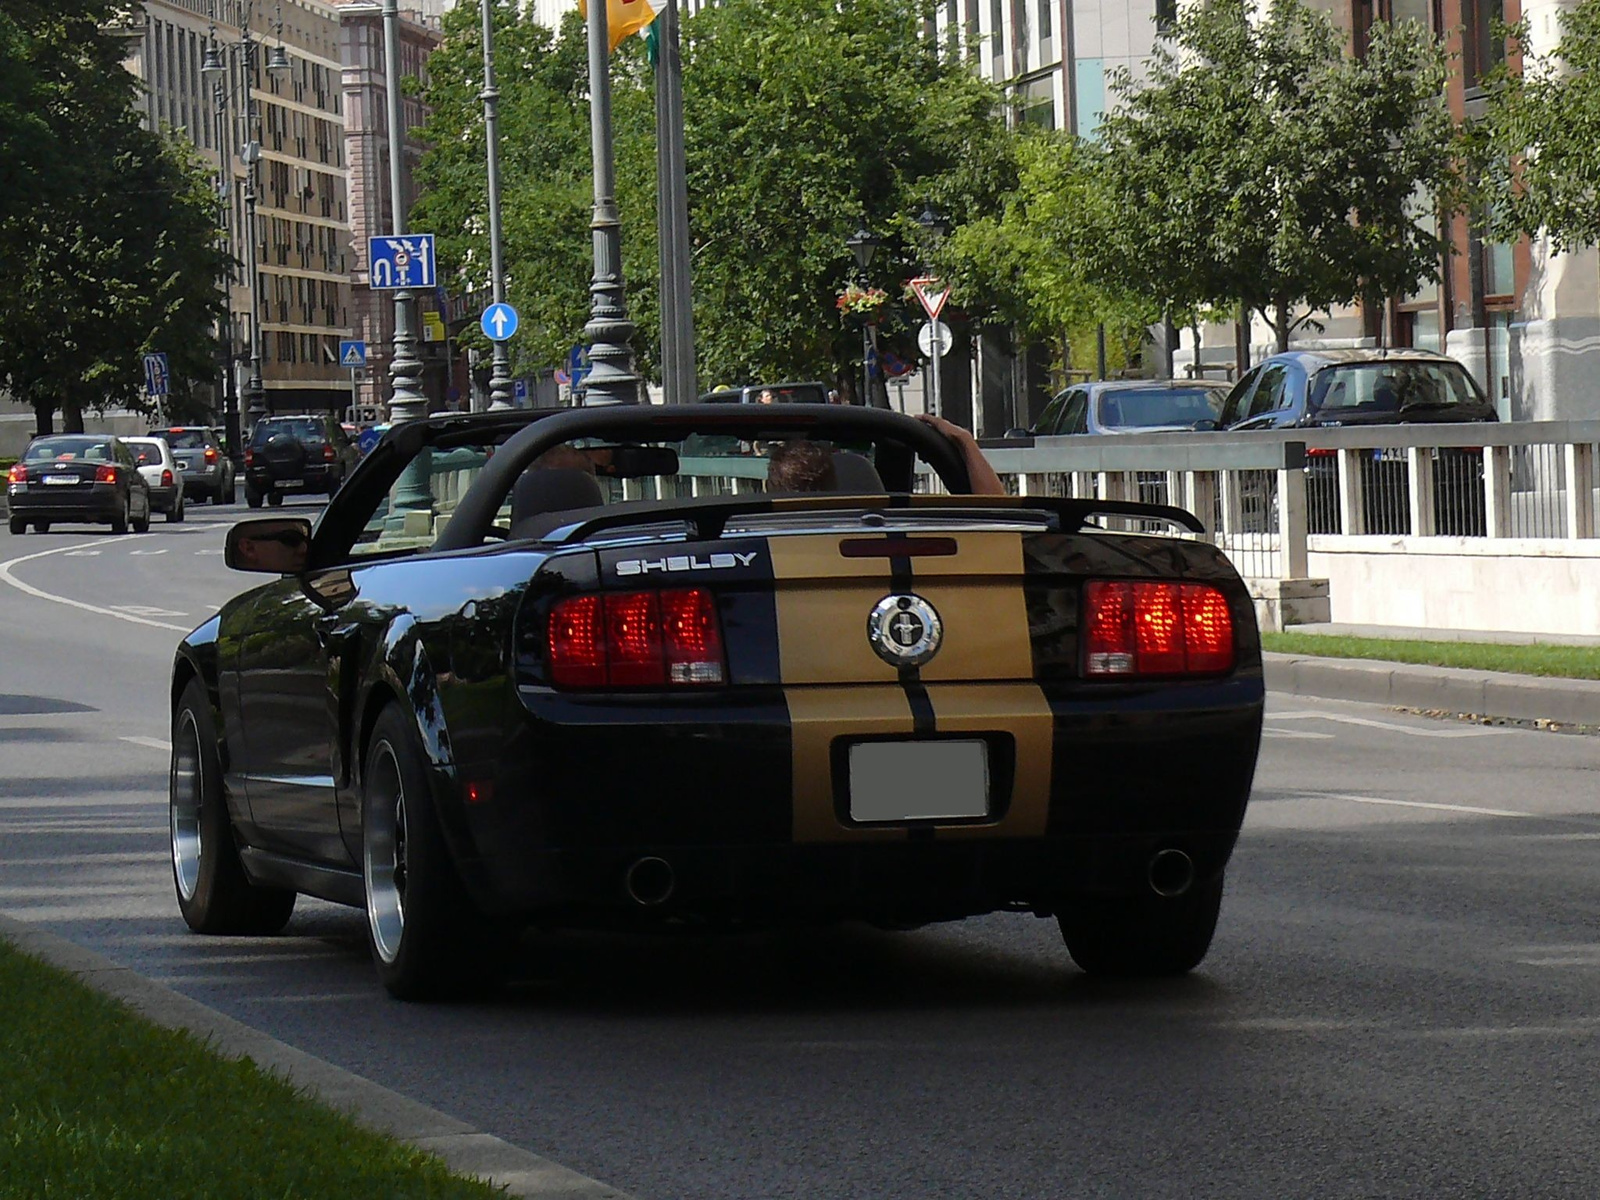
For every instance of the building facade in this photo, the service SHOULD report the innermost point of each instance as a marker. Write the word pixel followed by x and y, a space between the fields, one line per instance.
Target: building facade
pixel 294 115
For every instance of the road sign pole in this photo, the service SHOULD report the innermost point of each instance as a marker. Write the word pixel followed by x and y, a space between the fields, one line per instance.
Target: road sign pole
pixel 938 356
pixel 500 364
pixel 412 493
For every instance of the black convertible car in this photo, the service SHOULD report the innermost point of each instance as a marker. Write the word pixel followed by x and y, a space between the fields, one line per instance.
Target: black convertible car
pixel 593 666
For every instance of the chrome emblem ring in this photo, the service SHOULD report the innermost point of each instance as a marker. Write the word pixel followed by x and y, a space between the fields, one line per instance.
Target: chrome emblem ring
pixel 904 631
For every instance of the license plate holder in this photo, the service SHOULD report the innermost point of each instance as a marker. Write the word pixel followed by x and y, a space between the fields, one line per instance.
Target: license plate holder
pixel 893 782
pixel 61 480
pixel 288 484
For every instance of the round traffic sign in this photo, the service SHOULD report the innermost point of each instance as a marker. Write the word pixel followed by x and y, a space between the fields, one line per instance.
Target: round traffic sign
pixel 367 439
pixel 499 322
pixel 934 338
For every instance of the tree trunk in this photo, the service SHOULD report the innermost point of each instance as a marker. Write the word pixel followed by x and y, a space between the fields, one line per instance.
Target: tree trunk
pixel 44 417
pixel 1280 323
pixel 71 413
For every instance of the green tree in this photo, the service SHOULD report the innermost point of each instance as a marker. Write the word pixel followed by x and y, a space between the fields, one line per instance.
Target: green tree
pixel 800 122
pixel 1538 147
pixel 1259 163
pixel 113 255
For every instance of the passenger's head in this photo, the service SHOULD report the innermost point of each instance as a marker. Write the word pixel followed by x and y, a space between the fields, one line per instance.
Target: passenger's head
pixel 800 466
pixel 564 457
pixel 766 397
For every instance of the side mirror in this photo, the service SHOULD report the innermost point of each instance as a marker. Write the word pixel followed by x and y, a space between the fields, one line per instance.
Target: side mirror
pixel 1018 433
pixel 1206 425
pixel 271 545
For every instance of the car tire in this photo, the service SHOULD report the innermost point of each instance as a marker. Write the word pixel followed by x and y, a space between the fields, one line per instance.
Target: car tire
pixel 41 526
pixel 1142 937
pixel 142 524
pixel 214 894
pixel 428 942
pixel 252 497
pixel 175 513
pixel 275 499
pixel 119 523
pixel 18 525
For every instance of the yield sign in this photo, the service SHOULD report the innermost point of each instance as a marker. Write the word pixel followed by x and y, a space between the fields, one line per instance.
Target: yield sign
pixel 933 292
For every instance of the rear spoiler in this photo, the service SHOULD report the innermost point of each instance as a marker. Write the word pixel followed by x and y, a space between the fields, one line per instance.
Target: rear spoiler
pixel 709 515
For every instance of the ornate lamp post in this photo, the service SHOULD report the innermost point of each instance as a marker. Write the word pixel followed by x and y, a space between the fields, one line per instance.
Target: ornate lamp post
pixel 405 368
pixel 863 245
pixel 500 370
pixel 611 378
pixel 248 145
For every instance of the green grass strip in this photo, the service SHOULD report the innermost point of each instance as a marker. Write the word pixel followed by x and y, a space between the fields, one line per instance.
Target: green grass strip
pixel 1566 662
pixel 98 1102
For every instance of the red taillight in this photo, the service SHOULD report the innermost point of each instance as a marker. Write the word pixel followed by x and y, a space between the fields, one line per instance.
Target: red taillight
pixel 327 454
pixel 105 474
pixel 1156 629
pixel 636 639
pixel 166 477
pixel 17 474
pixel 1321 452
pixel 211 454
pixel 249 456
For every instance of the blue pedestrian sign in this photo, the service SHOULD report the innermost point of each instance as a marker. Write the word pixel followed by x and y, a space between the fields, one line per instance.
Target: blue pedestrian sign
pixel 352 354
pixel 157 378
pixel 499 323
pixel 402 261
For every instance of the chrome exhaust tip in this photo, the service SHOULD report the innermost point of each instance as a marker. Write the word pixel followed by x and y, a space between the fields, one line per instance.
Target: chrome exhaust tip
pixel 650 882
pixel 1171 873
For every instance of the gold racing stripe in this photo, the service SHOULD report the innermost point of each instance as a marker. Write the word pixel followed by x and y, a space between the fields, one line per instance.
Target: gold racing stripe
pixel 980 681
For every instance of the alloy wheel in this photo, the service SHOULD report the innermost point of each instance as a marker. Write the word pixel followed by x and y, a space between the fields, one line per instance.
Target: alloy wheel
pixel 383 853
pixel 187 795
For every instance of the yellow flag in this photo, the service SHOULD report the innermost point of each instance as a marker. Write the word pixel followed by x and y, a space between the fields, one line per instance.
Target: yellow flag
pixel 624 18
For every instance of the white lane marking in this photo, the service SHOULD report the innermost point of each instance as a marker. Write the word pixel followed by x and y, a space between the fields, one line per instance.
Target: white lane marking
pixel 199 552
pixel 1297 734
pixel 7 577
pixel 82 553
pixel 151 743
pixel 1391 726
pixel 1455 808
pixel 144 610
pixel 161 551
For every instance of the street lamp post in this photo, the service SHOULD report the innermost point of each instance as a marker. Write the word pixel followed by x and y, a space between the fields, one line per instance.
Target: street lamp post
pixel 863 245
pixel 249 150
pixel 226 390
pixel 500 368
pixel 405 369
pixel 611 378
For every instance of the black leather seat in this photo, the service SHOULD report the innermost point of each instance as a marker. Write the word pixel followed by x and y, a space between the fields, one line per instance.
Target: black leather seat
pixel 544 495
pixel 854 475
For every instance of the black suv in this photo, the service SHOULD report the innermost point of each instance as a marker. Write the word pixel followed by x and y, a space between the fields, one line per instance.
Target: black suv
pixel 295 455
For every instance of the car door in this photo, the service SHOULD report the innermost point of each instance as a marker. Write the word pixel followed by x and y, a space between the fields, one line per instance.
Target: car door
pixel 1046 424
pixel 287 722
pixel 1075 413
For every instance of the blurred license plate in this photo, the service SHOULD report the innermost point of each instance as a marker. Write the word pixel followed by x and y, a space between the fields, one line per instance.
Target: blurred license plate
pixel 289 483
pixel 919 781
pixel 61 479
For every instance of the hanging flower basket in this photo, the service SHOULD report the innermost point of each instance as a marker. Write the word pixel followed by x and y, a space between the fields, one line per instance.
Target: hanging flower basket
pixel 864 303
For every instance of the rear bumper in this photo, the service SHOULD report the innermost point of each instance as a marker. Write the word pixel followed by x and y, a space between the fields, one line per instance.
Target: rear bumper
pixel 726 794
pixel 314 478
pixel 98 502
pixel 203 479
pixel 165 499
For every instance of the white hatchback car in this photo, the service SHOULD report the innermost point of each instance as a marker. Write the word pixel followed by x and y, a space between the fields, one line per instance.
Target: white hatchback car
pixel 160 470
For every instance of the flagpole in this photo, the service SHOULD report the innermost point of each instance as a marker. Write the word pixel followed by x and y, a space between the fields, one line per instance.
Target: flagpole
pixel 611 378
pixel 677 294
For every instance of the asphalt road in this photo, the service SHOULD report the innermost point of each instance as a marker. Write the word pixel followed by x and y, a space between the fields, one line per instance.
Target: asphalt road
pixel 1403 998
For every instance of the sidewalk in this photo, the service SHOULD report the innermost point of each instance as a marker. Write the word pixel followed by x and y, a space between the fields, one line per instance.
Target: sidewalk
pixel 1438 689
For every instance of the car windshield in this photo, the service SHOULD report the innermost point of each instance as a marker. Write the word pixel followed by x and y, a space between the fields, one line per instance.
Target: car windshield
pixel 145 454
pixel 183 439
pixel 1145 408
pixel 302 429
pixel 82 446
pixel 1386 387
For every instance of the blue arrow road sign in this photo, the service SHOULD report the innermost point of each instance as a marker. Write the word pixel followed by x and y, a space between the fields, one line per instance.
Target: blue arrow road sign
pixel 352 354
pixel 156 376
pixel 367 439
pixel 402 261
pixel 499 322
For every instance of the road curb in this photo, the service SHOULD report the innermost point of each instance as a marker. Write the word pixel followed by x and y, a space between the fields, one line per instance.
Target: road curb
pixel 466 1150
pixel 1452 689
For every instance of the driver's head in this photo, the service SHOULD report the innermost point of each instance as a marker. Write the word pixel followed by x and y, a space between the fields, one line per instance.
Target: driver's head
pixel 563 457
pixel 800 466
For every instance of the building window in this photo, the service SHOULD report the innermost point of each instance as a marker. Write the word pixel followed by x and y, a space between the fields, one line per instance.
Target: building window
pixel 1036 101
pixel 1483 47
pixel 997 45
pixel 1166 15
